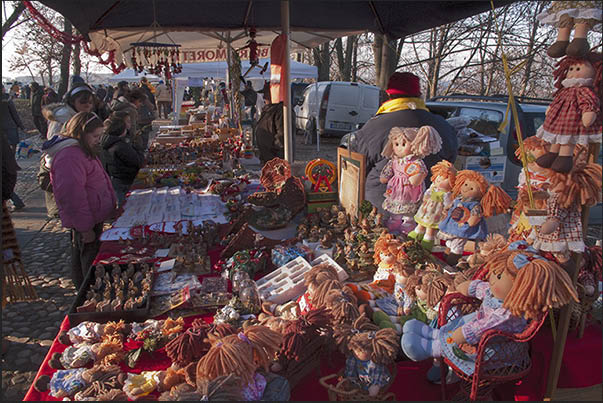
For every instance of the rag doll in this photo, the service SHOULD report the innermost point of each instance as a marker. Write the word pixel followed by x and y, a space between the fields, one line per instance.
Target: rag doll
pixel 371 352
pixel 387 311
pixel 469 264
pixel 574 116
pixel 561 233
pixel 474 200
pixel 565 15
pixel 386 251
pixel 320 276
pixel 405 172
pixel 436 202
pixel 510 298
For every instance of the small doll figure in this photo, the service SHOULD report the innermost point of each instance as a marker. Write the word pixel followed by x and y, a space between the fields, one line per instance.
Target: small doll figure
pixel 561 233
pixel 405 172
pixel 574 116
pixel 474 199
pixel 565 15
pixel 325 217
pixel 314 234
pixel 387 311
pixel 351 257
pixel 371 352
pixel 509 301
pixel 341 222
pixel 315 278
pixel 349 236
pixel 253 53
pixel 339 254
pixel 436 202
pixel 365 257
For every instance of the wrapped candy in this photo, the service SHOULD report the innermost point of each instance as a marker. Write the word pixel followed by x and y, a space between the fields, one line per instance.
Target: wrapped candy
pixel 66 382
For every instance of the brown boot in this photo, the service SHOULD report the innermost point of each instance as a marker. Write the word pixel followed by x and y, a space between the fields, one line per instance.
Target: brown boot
pixel 563 164
pixel 546 160
pixel 557 49
pixel 578 47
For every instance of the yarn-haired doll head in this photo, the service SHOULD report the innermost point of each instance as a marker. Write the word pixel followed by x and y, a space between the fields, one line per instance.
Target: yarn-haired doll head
pixel 443 175
pixel 527 283
pixel 590 66
pixel 472 185
pixel 379 346
pixel 433 287
pixel 386 249
pixel 419 142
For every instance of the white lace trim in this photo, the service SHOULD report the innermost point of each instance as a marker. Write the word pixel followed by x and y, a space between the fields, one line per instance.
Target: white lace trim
pixel 577 82
pixel 585 13
pixel 559 246
pixel 561 138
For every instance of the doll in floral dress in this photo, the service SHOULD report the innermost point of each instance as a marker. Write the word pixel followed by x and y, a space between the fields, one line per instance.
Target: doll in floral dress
pixel 405 172
pixel 436 202
pixel 521 286
pixel 574 116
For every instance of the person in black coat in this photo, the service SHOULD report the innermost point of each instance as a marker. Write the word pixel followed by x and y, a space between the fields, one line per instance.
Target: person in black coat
pixel 39 121
pixel 122 159
pixel 404 108
pixel 270 133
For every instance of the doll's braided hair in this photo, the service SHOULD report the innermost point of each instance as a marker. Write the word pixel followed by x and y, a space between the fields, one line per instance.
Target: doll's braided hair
pixel 494 200
pixel 382 345
pixel 435 285
pixel 343 305
pixel 343 334
pixel 301 332
pixel 581 186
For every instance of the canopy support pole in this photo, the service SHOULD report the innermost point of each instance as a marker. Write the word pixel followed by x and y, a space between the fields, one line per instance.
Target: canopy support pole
pixel 285 76
pixel 228 77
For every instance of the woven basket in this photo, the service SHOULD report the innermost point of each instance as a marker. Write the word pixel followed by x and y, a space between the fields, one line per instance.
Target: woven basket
pixel 345 390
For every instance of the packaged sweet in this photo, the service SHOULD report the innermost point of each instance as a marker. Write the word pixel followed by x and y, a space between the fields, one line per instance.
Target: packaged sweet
pixel 76 356
pixel 66 382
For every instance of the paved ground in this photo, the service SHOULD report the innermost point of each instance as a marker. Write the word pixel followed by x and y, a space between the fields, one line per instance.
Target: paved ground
pixel 29 328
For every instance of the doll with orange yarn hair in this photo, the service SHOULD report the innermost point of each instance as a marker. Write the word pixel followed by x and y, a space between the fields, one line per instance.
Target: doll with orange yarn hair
pixel 562 233
pixel 521 286
pixel 405 172
pixel 574 116
pixel 474 200
pixel 436 202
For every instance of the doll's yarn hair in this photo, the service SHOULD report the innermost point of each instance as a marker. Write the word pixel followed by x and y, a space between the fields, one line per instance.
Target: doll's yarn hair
pixel 411 284
pixel 435 286
pixel 343 334
pixel 226 357
pixel 581 186
pixel 444 169
pixel 318 298
pixel 494 200
pixel 493 243
pixel 425 140
pixel 382 345
pixel 343 305
pixel 532 143
pixel 594 58
pixel 538 286
pixel 263 343
pixel 302 331
pixel 319 273
pixel 386 243
pixel 402 269
pixel 225 388
pixel 592 261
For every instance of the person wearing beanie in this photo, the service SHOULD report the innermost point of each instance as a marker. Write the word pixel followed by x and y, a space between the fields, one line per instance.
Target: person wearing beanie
pixel 404 108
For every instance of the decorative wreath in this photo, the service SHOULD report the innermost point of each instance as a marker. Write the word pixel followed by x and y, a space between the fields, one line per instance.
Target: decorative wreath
pixel 274 174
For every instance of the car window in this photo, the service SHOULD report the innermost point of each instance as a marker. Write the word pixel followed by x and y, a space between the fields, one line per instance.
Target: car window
pixel 484 121
pixel 533 121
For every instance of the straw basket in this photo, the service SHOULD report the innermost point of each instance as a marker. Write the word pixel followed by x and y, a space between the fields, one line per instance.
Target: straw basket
pixel 345 390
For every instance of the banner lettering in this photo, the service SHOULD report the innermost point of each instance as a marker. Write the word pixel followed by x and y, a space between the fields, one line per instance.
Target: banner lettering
pixel 217 55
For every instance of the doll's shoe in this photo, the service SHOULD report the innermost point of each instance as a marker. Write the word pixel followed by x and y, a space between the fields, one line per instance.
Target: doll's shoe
pixel 427 243
pixel 415 235
pixel 563 164
pixel 557 49
pixel 578 47
pixel 546 160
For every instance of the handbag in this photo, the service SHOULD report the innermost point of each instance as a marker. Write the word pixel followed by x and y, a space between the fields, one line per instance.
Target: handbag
pixel 44 176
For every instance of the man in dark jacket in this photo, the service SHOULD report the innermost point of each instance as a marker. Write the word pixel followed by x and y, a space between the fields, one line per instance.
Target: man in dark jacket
pixel 270 133
pixel 36 109
pixel 122 160
pixel 10 123
pixel 405 108
pixel 9 169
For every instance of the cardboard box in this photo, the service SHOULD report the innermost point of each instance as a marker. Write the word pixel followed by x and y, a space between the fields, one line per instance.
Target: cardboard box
pixel 491 167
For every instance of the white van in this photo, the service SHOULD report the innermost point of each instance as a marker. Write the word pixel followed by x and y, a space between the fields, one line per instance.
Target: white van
pixel 335 107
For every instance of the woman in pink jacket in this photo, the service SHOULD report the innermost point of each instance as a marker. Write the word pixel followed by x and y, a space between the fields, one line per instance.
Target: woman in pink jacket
pixel 82 190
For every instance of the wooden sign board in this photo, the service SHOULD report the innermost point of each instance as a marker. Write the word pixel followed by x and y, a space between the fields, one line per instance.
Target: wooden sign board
pixel 351 177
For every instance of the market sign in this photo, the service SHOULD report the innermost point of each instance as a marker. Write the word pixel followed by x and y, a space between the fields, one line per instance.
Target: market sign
pixel 192 55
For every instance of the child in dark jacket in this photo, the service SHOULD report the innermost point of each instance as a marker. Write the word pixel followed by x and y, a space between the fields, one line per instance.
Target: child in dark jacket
pixel 121 159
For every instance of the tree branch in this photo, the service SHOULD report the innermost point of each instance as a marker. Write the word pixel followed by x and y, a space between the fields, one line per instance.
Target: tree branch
pixel 8 24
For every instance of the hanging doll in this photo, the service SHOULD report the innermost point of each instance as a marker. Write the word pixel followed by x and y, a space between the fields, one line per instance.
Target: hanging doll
pixel 366 368
pixel 565 15
pixel 254 60
pixel 521 286
pixel 474 200
pixel 405 172
pixel 436 202
pixel 561 233
pixel 574 116
pixel 386 251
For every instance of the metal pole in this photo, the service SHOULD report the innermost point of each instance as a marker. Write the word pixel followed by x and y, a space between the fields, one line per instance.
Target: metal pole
pixel 286 76
pixel 228 78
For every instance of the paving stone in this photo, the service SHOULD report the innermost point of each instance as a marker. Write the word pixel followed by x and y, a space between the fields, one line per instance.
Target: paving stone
pixel 17 339
pixel 24 354
pixel 46 343
pixel 18 379
pixel 46 336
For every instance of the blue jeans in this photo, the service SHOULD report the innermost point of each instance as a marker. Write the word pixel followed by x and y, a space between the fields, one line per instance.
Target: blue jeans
pixel 121 188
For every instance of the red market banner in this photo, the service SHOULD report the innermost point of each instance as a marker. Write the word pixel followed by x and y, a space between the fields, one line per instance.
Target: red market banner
pixel 217 55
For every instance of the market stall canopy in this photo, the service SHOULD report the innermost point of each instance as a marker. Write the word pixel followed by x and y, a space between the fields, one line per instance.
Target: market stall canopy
pixel 115 24
pixel 132 76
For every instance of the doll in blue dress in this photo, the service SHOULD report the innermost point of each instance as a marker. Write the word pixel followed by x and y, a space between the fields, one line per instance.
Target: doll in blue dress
pixel 521 286
pixel 474 200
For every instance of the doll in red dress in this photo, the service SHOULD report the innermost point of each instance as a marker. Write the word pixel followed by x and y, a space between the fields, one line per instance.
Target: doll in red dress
pixel 574 116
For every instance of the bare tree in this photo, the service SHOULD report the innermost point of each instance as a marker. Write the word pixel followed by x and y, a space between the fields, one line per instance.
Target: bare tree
pixel 322 60
pixel 11 21
pixel 345 57
pixel 386 54
pixel 65 58
pixel 77 59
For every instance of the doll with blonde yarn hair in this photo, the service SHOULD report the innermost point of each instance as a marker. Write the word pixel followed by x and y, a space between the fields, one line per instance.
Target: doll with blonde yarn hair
pixel 521 286
pixel 436 202
pixel 474 200
pixel 405 172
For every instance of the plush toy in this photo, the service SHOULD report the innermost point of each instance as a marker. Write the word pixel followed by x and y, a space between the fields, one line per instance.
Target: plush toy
pixel 436 202
pixel 574 116
pixel 474 200
pixel 561 233
pixel 372 351
pixel 521 286
pixel 470 264
pixel 565 15
pixel 405 172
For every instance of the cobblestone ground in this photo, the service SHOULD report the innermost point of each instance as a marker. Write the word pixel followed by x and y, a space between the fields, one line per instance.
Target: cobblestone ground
pixel 28 328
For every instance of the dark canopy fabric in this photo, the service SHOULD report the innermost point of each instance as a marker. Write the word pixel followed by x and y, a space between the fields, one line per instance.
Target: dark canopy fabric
pixel 394 18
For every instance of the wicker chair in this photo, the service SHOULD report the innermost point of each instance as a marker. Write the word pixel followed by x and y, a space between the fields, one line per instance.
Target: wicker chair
pixel 487 373
pixel 345 390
